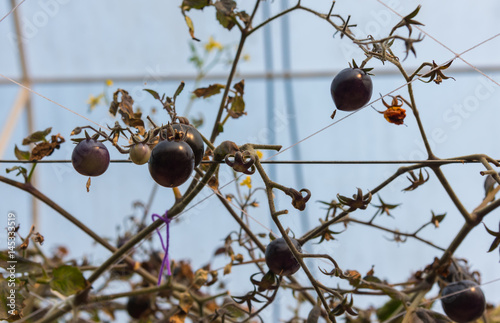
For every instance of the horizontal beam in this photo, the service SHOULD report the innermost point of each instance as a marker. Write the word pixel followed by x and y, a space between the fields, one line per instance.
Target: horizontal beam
pixel 216 77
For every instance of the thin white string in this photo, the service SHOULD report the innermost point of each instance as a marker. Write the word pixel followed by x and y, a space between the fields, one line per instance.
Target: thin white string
pixel 52 101
pixel 12 10
pixel 449 49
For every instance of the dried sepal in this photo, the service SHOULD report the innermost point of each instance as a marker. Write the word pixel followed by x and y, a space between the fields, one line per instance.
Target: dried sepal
pixel 344 307
pixel 436 73
pixel 496 241
pixel 408 21
pixel 416 181
pixel 437 218
pixel 358 201
pixel 384 207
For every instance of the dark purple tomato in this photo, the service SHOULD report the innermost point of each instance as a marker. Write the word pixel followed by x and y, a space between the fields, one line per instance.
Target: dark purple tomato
pixel 90 157
pixel 139 153
pixel 138 305
pixel 193 138
pixel 468 304
pixel 351 89
pixel 280 259
pixel 171 163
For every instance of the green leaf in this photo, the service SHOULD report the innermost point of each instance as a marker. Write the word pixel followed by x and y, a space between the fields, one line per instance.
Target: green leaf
pixel 388 309
pixel 37 136
pixel 238 106
pixel 194 4
pixel 21 154
pixel 225 13
pixel 67 280
pixel 226 21
pixel 206 92
pixel 220 128
pixel 153 93
pixel 23 265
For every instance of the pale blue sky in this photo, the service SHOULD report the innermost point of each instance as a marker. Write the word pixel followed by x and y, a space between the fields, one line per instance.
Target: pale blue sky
pixel 124 38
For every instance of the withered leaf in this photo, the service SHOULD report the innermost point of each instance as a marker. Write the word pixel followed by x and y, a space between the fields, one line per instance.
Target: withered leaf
pixel 354 277
pixel 240 86
pixel 178 318
pixel 46 148
pixel 200 278
pixel 227 268
pixel 245 17
pixel 206 92
pixel 21 171
pixel 185 302
pixel 190 25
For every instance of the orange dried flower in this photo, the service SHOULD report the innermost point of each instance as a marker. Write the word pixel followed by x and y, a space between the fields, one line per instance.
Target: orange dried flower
pixel 394 113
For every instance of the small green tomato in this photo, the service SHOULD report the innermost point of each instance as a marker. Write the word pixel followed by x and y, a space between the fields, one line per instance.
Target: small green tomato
pixel 139 153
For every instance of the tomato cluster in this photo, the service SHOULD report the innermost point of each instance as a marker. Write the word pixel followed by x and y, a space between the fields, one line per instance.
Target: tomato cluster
pixel 170 162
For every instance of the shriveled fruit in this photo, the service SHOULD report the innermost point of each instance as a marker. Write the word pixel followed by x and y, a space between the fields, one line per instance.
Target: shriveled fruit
pixel 171 163
pixel 280 259
pixel 351 89
pixel 138 305
pixel 465 302
pixel 140 153
pixel 90 157
pixel 194 139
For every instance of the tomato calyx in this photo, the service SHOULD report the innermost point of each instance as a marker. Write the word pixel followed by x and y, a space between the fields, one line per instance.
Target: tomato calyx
pixel 367 70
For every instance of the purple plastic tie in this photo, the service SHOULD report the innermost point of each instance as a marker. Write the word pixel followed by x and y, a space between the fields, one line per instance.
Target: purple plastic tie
pixel 165 248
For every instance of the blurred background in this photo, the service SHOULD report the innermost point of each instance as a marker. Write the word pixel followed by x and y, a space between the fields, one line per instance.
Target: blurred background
pixel 75 54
